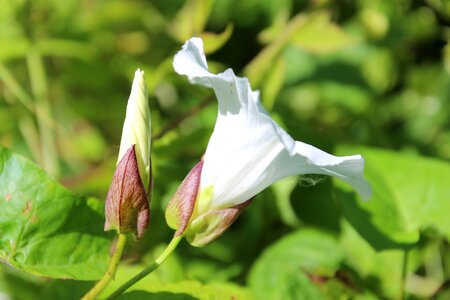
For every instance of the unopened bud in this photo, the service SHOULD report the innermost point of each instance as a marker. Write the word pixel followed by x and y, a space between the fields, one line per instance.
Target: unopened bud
pixel 127 209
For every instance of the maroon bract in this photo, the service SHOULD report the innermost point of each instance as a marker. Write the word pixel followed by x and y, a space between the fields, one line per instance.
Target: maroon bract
pixel 127 208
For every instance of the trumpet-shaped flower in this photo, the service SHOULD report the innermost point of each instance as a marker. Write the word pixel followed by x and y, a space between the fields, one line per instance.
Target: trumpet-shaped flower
pixel 127 207
pixel 246 153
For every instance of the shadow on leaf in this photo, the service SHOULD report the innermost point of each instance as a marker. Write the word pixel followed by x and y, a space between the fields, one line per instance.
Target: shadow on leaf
pixel 143 295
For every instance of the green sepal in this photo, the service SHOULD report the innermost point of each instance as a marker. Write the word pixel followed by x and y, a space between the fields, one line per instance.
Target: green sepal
pixel 207 227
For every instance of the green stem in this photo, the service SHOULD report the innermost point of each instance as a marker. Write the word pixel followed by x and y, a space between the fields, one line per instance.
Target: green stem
pixel 38 81
pixel 14 88
pixel 115 258
pixel 404 273
pixel 26 125
pixel 150 268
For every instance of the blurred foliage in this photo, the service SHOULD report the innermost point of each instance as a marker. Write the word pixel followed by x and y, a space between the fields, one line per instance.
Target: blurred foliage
pixel 333 73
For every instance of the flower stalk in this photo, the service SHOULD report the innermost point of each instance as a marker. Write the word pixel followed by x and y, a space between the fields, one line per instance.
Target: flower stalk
pixel 112 268
pixel 149 269
pixel 127 207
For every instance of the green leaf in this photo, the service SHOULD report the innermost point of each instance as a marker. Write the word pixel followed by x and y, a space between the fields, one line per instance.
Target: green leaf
pixel 65 289
pixel 155 286
pixel 262 63
pixel 189 289
pixel 319 35
pixel 13 49
pixel 410 194
pixel 312 32
pixel 65 48
pixel 18 285
pixel 191 19
pixel 282 271
pixel 274 82
pixel 378 271
pixel 445 294
pixel 45 229
pixel 380 70
pixel 214 41
pixel 282 192
pixel 278 25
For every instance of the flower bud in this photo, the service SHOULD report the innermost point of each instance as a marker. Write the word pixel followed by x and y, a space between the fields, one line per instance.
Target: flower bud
pixel 127 208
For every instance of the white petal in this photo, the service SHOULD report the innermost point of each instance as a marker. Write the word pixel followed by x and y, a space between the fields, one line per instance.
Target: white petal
pixel 311 160
pixel 248 151
pixel 191 61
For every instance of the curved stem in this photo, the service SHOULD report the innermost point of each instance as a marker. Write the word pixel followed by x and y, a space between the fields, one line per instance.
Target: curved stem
pixel 404 274
pixel 115 258
pixel 150 268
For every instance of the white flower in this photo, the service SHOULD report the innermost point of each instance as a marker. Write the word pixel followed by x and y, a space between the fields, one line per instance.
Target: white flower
pixel 137 127
pixel 247 151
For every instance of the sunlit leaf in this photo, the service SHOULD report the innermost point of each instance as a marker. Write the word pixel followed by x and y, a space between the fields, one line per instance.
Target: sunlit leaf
pixel 311 32
pixel 282 271
pixel 14 49
pixel 258 67
pixel 45 229
pixel 410 194
pixel 385 266
pixel 274 83
pixel 191 19
pixel 214 41
pixel 374 22
pixel 189 290
pixel 279 22
pixel 155 286
pixel 320 35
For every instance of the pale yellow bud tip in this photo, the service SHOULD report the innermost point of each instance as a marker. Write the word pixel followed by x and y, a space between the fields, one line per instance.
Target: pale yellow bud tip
pixel 136 127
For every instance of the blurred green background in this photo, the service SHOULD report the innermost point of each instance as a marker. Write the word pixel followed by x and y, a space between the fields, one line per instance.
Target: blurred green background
pixel 336 74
